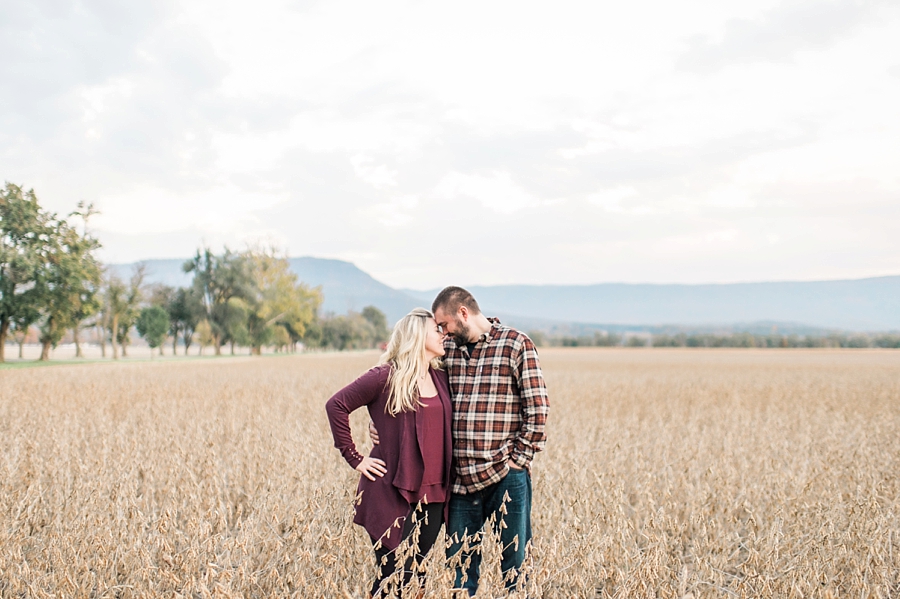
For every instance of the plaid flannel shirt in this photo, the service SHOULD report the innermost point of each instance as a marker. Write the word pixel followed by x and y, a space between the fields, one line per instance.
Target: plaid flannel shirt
pixel 500 406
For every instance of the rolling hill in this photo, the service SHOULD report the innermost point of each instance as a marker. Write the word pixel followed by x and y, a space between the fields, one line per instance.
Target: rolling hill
pixel 863 305
pixel 871 304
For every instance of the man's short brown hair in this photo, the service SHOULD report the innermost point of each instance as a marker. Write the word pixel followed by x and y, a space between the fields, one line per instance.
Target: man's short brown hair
pixel 451 298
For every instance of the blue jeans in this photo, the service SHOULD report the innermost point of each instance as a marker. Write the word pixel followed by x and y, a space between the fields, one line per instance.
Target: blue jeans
pixel 467 517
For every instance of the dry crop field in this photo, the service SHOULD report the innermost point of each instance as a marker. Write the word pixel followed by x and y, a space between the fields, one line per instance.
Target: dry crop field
pixel 668 473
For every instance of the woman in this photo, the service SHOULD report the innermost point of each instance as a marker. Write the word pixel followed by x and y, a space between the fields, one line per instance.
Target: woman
pixel 405 481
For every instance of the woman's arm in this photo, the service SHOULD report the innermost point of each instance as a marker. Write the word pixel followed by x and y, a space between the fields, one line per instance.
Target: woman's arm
pixel 357 394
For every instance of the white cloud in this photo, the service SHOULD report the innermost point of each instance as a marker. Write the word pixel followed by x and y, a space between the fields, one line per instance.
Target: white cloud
pixel 779 33
pixel 212 211
pixel 395 213
pixel 730 196
pixel 611 199
pixel 629 141
pixel 97 98
pixel 378 176
pixel 496 191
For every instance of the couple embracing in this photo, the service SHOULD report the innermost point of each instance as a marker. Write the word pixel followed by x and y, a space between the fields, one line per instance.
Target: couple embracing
pixel 458 408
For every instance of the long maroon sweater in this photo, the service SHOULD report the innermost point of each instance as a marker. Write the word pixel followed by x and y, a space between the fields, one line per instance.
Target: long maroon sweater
pixel 383 508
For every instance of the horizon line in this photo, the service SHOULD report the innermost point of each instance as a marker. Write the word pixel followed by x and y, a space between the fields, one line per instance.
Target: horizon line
pixel 642 283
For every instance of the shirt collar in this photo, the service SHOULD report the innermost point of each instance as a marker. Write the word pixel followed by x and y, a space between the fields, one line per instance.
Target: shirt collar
pixel 495 324
pixel 486 337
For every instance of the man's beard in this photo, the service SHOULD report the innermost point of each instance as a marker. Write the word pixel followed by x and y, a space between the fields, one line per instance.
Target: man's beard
pixel 461 334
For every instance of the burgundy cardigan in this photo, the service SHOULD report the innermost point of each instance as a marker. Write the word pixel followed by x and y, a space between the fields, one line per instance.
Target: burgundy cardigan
pixel 382 509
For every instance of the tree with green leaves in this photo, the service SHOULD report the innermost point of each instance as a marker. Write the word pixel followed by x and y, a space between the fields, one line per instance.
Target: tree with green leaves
pixel 153 324
pixel 69 280
pixel 22 324
pixel 224 284
pixel 88 302
pixel 114 305
pixel 350 331
pixel 312 337
pixel 378 320
pixel 204 335
pixel 163 295
pixel 281 339
pixel 25 240
pixel 232 319
pixel 280 301
pixel 130 308
pixel 185 312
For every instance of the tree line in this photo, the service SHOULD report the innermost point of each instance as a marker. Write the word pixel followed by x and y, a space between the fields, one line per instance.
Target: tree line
pixel 747 340
pixel 52 280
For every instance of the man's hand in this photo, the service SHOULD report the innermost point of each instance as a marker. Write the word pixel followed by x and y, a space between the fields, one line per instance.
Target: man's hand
pixel 372 466
pixel 373 433
pixel 511 463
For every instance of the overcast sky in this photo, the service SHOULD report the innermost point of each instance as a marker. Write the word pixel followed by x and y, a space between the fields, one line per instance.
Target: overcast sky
pixel 469 142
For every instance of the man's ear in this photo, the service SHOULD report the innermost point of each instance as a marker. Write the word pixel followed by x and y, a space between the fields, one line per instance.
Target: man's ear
pixel 463 313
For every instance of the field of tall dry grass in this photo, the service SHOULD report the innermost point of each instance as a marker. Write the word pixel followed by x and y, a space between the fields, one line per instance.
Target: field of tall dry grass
pixel 668 473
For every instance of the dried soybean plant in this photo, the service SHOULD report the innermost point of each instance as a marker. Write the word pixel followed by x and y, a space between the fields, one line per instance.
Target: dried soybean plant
pixel 668 473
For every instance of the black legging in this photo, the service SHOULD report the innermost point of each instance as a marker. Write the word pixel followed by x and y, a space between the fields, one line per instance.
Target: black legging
pixel 428 519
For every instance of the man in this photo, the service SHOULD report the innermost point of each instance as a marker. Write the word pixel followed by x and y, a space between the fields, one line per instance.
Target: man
pixel 500 408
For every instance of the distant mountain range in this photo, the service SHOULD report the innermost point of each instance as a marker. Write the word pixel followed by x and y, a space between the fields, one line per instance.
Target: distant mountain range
pixel 800 307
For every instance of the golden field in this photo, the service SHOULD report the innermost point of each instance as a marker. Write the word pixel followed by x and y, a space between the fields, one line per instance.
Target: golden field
pixel 668 473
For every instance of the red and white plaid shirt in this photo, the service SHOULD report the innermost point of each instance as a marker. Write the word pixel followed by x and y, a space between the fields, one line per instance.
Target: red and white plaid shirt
pixel 500 406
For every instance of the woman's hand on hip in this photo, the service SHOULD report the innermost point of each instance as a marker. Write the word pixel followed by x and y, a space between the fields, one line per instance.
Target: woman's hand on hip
pixel 372 466
pixel 373 433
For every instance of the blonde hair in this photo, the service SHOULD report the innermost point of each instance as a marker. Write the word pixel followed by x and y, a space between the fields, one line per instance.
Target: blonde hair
pixel 406 354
